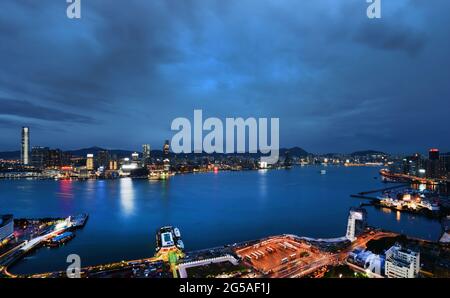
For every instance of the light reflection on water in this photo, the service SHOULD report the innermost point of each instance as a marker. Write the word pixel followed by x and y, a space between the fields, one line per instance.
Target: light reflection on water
pixel 211 209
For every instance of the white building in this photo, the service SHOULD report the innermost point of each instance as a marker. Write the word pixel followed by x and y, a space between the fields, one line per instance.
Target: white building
pixel 402 263
pixel 356 223
pixel 25 148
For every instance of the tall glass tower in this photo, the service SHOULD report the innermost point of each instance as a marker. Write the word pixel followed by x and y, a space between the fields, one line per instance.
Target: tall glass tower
pixel 25 150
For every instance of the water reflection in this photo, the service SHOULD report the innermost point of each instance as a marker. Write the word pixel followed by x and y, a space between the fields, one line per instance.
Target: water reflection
pixel 127 195
pixel 398 216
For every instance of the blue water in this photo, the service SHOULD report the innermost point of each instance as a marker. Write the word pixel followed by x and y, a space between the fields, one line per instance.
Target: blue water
pixel 210 210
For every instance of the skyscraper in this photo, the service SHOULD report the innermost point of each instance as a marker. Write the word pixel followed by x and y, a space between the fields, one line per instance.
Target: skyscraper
pixel 40 156
pixel 90 162
pixel 25 150
pixel 145 154
pixel 166 149
pixel 433 169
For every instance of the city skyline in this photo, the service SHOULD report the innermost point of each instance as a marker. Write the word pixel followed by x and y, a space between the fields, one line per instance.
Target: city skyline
pixel 117 80
pixel 424 151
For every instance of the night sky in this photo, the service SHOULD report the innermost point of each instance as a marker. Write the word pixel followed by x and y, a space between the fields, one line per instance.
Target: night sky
pixel 338 81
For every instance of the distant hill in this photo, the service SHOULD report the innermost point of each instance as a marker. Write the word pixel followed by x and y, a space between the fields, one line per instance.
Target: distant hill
pixel 293 152
pixel 367 152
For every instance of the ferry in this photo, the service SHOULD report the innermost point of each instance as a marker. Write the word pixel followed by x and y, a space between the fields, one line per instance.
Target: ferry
pixel 168 237
pixel 79 220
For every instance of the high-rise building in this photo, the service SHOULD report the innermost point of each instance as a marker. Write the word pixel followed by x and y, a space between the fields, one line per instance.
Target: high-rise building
pixel 445 164
pixel 145 154
pixel 357 221
pixel 39 156
pixel 433 154
pixel 103 158
pixel 134 156
pixel 90 162
pixel 25 149
pixel 54 159
pixel 433 168
pixel 166 149
pixel 402 263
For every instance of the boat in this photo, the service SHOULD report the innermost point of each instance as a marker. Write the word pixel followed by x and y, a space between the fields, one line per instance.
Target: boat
pixel 180 244
pixel 323 172
pixel 177 233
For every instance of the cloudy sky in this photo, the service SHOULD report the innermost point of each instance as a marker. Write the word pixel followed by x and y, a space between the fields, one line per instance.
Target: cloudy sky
pixel 117 78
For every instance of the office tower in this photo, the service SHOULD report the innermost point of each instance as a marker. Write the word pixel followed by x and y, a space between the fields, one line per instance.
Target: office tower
pixel 357 220
pixel 6 226
pixel 25 149
pixel 66 159
pixel 103 159
pixel 433 154
pixel 54 159
pixel 39 156
pixel 444 160
pixel 134 156
pixel 433 169
pixel 166 149
pixel 90 162
pixel 113 163
pixel 402 263
pixel 145 154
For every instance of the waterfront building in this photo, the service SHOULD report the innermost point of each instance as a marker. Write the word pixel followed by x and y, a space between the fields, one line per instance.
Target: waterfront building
pixel 25 149
pixel 54 158
pixel 39 156
pixel 145 154
pixel 135 157
pixel 90 162
pixel 166 149
pixel 6 227
pixel 444 160
pixel 357 221
pixel 402 263
pixel 113 165
pixel 103 159
pixel 433 168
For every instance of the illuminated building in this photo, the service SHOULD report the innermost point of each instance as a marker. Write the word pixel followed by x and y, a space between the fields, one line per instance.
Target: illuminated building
pixel 90 162
pixel 25 149
pixel 433 170
pixel 6 226
pixel 54 159
pixel 433 154
pixel 135 157
pixel 166 149
pixel 356 223
pixel 402 263
pixel 145 154
pixel 39 156
pixel 103 158
pixel 444 160
pixel 113 165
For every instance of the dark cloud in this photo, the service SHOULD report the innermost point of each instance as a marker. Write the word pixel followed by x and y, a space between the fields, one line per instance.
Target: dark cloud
pixel 25 109
pixel 398 38
pixel 118 77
